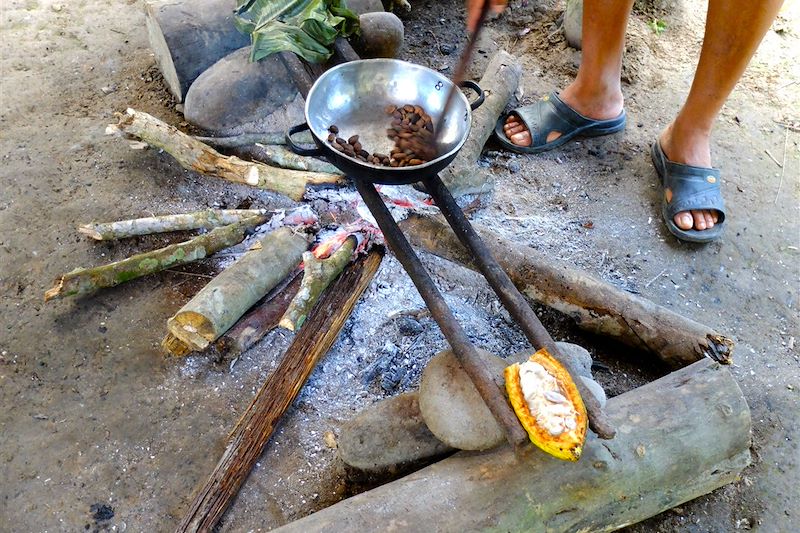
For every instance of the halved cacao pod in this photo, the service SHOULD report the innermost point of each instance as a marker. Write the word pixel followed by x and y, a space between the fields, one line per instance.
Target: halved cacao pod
pixel 567 445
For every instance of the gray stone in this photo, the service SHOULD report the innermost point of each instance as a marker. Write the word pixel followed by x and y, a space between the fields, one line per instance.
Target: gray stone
pixel 381 35
pixel 573 22
pixel 235 92
pixel 451 406
pixel 388 436
pixel 596 389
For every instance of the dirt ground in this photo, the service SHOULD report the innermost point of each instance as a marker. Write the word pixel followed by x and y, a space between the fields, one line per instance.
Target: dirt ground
pixel 101 432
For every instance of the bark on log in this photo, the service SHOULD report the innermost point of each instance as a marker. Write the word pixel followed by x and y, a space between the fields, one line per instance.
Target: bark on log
pixel 228 296
pixel 82 281
pixel 188 36
pixel 317 275
pixel 595 306
pixel 196 156
pixel 259 321
pixel 499 83
pixel 681 436
pixel 253 430
pixel 206 219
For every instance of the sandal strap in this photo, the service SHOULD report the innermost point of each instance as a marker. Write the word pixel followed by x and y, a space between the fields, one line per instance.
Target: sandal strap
pixel 550 114
pixel 693 188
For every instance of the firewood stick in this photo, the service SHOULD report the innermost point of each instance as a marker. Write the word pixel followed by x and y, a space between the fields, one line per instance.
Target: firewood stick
pixel 285 158
pixel 259 321
pixel 255 427
pixel 196 156
pixel 317 275
pixel 595 306
pixel 228 296
pixel 82 281
pixel 250 139
pixel 205 219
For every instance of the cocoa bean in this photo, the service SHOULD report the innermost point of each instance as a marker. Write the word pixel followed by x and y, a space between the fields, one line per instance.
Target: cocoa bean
pixel 333 128
pixel 353 139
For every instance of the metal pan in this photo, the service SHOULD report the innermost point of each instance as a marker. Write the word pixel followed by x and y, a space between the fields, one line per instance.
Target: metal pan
pixel 353 97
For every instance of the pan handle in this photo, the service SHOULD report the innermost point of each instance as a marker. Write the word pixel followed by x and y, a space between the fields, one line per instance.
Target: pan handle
pixel 469 84
pixel 299 150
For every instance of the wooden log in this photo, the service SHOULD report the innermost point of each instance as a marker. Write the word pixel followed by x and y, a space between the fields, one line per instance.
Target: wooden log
pixel 259 321
pixel 196 156
pixel 188 36
pixel 205 219
pixel 681 436
pixel 83 281
pixel 499 83
pixel 317 275
pixel 254 429
pixel 228 296
pixel 595 306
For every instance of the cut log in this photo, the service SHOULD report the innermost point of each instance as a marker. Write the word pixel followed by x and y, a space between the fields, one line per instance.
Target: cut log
pixel 499 83
pixel 254 429
pixel 595 306
pixel 206 219
pixel 259 321
pixel 83 281
pixel 679 437
pixel 228 296
pixel 317 275
pixel 188 36
pixel 196 156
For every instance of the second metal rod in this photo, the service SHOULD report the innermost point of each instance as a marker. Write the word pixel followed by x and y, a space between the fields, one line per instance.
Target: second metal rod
pixel 463 349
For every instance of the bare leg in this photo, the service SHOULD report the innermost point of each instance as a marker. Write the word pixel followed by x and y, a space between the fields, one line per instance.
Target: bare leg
pixel 734 28
pixel 596 91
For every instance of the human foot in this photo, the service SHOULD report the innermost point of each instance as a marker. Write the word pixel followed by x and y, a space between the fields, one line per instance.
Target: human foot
pixel 688 148
pixel 550 123
pixel 689 189
pixel 590 105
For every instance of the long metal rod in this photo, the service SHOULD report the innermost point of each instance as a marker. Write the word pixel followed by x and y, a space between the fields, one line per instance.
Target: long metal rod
pixel 463 349
pixel 511 298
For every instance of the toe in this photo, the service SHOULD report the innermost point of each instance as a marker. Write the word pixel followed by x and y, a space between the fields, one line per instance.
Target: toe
pixel 709 219
pixel 699 220
pixel 521 139
pixel 516 129
pixel 684 220
pixel 511 118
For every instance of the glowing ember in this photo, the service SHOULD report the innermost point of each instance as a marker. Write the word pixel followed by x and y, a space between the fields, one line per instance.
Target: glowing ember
pixel 330 245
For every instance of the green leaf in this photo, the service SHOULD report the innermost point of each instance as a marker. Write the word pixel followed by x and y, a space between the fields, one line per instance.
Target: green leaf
pixel 306 27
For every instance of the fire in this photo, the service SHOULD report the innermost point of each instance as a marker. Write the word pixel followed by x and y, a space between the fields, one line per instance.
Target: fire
pixel 330 245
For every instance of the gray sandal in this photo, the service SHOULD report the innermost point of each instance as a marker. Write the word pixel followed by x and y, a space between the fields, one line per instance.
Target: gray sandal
pixel 693 188
pixel 551 114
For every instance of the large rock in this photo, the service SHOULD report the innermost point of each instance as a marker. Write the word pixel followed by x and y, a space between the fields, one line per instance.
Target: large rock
pixel 236 93
pixel 381 35
pixel 451 406
pixel 389 436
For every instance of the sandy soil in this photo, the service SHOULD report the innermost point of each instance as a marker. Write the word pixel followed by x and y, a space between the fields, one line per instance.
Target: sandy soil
pixel 100 431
